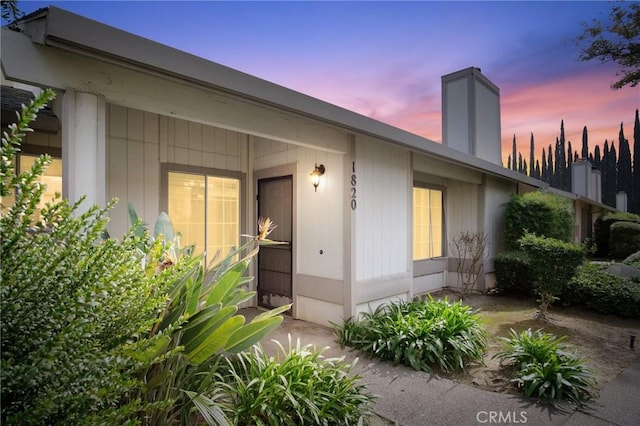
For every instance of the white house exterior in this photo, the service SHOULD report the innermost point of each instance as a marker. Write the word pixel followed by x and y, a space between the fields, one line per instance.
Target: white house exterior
pixel 165 130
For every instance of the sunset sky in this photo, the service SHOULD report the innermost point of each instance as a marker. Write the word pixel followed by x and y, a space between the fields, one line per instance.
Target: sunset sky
pixel 385 59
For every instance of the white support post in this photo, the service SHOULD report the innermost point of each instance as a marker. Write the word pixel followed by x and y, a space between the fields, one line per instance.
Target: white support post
pixel 84 148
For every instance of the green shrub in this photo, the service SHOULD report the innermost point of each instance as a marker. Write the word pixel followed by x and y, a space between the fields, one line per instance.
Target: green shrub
pixel 100 331
pixel 546 368
pixel 419 334
pixel 513 273
pixel 72 305
pixel 540 213
pixel 624 239
pixel 602 230
pixel 633 259
pixel 553 264
pixel 199 323
pixel 602 292
pixel 302 388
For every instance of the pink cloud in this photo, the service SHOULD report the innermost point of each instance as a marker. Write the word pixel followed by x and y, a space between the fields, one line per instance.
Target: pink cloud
pixel 580 100
pixel 403 98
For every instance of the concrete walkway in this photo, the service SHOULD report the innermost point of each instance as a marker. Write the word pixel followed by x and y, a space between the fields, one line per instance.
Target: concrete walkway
pixel 410 398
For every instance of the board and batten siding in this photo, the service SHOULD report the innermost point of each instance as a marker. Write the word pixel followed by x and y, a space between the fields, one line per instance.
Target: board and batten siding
pixel 381 223
pixel 138 142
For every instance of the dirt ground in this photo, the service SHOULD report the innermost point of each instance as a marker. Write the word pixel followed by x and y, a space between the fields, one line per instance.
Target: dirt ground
pixel 603 340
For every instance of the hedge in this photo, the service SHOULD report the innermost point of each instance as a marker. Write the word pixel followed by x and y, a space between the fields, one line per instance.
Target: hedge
pixel 553 262
pixel 513 273
pixel 602 230
pixel 602 292
pixel 624 239
pixel 539 213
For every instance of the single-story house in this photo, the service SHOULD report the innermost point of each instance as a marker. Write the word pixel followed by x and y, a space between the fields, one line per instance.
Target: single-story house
pixel 217 148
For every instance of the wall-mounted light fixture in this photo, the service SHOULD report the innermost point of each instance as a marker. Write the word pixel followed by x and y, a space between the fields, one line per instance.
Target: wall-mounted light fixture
pixel 315 175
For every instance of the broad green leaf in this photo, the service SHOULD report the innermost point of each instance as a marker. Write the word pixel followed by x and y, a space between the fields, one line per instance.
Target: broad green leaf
pixel 191 269
pixel 273 312
pixel 195 287
pixel 226 263
pixel 240 296
pixel 209 409
pixel 202 316
pixel 251 334
pixel 212 343
pixel 227 282
pixel 165 227
pixel 137 225
pixel 205 323
pixel 152 352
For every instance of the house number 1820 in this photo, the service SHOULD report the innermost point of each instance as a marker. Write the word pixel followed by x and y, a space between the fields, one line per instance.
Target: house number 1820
pixel 353 186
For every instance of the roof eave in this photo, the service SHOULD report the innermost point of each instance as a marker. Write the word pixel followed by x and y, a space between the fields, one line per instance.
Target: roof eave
pixel 65 30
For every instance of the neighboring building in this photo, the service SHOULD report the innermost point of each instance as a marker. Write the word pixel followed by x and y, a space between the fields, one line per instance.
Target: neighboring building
pixel 216 148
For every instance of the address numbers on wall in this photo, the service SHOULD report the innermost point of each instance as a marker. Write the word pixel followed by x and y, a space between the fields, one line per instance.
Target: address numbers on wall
pixel 354 203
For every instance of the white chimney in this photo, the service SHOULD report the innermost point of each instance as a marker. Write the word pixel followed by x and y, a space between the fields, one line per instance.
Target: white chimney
pixel 471 114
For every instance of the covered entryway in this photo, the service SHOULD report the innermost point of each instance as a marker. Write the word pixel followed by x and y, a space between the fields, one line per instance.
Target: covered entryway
pixel 275 200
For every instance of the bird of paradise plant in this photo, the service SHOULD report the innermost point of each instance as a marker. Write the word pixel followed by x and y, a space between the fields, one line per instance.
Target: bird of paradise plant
pixel 199 323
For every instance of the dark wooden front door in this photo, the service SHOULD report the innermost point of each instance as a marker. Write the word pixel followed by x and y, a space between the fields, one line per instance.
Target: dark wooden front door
pixel 275 200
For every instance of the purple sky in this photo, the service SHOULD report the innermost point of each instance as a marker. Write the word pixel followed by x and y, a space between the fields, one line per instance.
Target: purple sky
pixel 385 59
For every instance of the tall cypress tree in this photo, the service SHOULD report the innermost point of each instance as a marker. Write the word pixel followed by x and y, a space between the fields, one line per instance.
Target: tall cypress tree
pixel 585 143
pixel 568 171
pixel 624 166
pixel 514 155
pixel 635 181
pixel 612 175
pixel 545 172
pixel 556 180
pixel 604 172
pixel 532 170
pixel 562 160
pixel 537 169
pixel 509 162
pixel 519 162
pixel 596 156
pixel 550 168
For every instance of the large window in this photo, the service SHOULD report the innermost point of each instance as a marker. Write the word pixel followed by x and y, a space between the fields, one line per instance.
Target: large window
pixel 428 228
pixel 51 177
pixel 205 209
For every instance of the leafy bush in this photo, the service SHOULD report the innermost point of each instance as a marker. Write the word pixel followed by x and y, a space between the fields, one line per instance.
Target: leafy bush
pixel 72 304
pixel 513 273
pixel 540 213
pixel 302 388
pixel 633 259
pixel 546 367
pixel 624 239
pixel 602 230
pixel 420 334
pixel 602 292
pixel 199 322
pixel 553 264
pixel 100 331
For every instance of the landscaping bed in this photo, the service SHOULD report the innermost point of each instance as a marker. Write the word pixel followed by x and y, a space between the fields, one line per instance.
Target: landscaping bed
pixel 602 339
